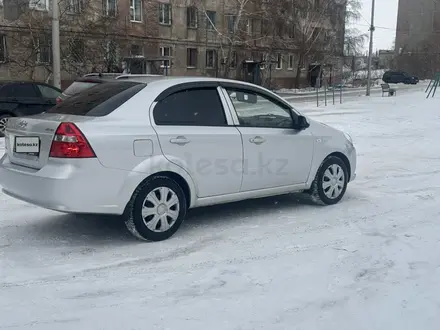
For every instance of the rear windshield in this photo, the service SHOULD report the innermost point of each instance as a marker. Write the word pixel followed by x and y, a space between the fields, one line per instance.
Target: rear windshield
pixel 78 86
pixel 99 100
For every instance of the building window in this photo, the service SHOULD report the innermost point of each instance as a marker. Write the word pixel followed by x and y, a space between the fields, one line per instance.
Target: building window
pixel 136 50
pixel 231 23
pixel 263 60
pixel 210 19
pixel 76 50
pixel 191 17
pixel 74 6
pixel 210 59
pixel 39 4
pixel 111 56
pixel 136 10
pixel 279 61
pixel 290 65
pixel 250 26
pixel 165 52
pixel 280 29
pixel 110 7
pixel 191 57
pixel 165 13
pixel 233 63
pixel 2 48
pixel 291 31
pixel 43 50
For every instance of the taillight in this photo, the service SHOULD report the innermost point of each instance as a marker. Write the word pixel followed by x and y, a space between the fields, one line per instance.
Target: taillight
pixel 70 142
pixel 59 100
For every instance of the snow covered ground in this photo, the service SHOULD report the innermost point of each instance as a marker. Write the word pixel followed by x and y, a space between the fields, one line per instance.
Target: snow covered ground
pixel 370 262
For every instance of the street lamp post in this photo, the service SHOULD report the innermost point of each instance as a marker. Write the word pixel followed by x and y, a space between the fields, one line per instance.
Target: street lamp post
pixel 56 44
pixel 370 51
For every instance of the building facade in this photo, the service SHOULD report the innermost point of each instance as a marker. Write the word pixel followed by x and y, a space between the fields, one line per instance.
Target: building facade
pixel 418 28
pixel 255 40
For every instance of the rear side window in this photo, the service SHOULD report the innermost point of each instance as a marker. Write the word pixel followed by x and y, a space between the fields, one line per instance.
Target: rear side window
pixel 191 107
pixel 99 100
pixel 78 86
pixel 19 90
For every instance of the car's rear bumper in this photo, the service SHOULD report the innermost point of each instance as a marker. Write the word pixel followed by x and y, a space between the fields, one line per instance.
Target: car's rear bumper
pixel 80 186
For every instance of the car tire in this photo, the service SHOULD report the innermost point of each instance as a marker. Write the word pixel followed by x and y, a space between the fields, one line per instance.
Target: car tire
pixel 3 120
pixel 330 183
pixel 156 210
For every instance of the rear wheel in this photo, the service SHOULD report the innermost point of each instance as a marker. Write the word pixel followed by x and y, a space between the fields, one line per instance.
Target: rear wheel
pixel 3 121
pixel 156 210
pixel 330 182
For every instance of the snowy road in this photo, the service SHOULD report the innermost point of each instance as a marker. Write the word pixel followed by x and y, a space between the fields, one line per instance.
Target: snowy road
pixel 370 262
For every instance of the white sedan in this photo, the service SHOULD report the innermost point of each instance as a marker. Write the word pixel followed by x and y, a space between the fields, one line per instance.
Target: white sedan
pixel 150 151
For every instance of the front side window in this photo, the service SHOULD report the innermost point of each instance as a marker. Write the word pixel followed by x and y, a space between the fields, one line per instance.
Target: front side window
pixel 165 13
pixel 136 10
pixel 255 110
pixel 191 107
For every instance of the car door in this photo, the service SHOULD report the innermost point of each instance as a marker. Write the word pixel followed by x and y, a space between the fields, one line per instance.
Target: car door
pixel 195 133
pixel 25 96
pixel 275 154
pixel 49 95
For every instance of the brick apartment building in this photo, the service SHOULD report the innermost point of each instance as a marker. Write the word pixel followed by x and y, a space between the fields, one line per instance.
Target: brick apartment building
pixel 176 37
pixel 417 33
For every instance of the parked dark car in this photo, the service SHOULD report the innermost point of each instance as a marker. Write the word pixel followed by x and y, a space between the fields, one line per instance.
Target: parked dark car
pixel 397 77
pixel 19 99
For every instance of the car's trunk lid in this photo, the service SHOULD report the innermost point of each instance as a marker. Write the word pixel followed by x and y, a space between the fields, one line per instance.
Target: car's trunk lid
pixel 28 139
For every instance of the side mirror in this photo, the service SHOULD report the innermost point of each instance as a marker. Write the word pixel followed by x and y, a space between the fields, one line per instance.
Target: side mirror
pixel 302 123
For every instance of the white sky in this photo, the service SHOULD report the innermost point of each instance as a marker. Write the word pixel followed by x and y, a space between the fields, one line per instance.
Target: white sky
pixel 385 16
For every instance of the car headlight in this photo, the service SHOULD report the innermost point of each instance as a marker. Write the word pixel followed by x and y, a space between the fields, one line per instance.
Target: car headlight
pixel 348 137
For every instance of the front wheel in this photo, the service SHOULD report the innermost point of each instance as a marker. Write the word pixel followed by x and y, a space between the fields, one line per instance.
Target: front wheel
pixel 330 182
pixel 156 210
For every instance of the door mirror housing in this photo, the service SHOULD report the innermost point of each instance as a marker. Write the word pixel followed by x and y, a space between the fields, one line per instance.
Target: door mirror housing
pixel 302 123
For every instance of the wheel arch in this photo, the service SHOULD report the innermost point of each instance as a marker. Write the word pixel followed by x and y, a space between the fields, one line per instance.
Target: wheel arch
pixel 344 158
pixel 179 179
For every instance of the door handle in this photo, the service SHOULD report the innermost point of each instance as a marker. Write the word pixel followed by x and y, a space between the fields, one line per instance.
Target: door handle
pixel 257 140
pixel 180 140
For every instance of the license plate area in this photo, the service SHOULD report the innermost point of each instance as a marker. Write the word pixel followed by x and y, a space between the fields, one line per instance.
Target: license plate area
pixel 28 145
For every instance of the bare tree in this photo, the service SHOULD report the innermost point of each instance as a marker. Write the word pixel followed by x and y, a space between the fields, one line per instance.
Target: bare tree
pixel 354 39
pixel 237 32
pixel 316 33
pixel 90 38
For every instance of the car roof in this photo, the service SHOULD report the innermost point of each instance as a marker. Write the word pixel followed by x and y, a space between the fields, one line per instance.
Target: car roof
pixel 169 81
